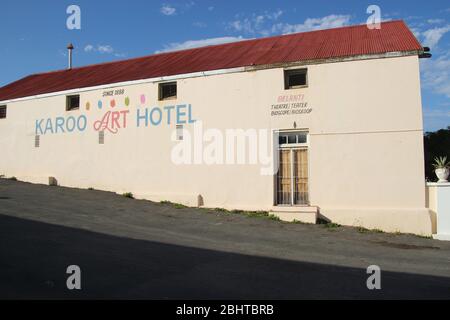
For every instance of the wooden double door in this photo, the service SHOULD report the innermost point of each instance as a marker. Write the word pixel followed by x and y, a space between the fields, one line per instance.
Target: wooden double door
pixel 292 178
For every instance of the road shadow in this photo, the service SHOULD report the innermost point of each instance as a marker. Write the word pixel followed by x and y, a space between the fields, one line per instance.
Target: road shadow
pixel 34 257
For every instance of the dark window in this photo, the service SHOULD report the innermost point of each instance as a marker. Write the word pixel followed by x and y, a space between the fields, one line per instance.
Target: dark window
pixel 287 138
pixel 2 112
pixel 73 103
pixel 295 78
pixel 302 138
pixel 167 91
pixel 282 139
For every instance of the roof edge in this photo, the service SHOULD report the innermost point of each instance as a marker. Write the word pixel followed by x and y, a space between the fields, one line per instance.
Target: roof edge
pixel 216 72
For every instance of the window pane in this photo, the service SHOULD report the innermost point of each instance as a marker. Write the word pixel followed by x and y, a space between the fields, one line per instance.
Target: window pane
pixel 291 139
pixel 295 78
pixel 2 112
pixel 282 140
pixel 284 179
pixel 168 90
pixel 73 102
pixel 302 138
pixel 301 195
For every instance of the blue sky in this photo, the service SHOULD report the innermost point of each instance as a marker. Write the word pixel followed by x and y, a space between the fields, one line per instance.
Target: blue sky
pixel 34 33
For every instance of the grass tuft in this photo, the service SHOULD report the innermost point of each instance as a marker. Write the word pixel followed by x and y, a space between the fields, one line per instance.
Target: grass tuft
pixel 424 237
pixel 274 217
pixel 128 195
pixel 331 225
pixel 250 214
pixel 257 214
pixel 295 221
pixel 175 205
pixel 363 230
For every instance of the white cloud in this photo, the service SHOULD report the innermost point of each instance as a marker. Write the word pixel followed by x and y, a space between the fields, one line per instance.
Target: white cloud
pixel 266 24
pixel 167 10
pixel 210 8
pixel 436 74
pixel 436 117
pixel 432 36
pixel 256 24
pixel 277 14
pixel 436 113
pixel 175 46
pixel 327 22
pixel 417 33
pixel 435 21
pixel 103 49
pixel 89 48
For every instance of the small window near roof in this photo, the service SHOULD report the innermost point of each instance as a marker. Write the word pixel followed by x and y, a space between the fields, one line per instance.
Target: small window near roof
pixel 294 79
pixel 73 102
pixel 167 91
pixel 2 112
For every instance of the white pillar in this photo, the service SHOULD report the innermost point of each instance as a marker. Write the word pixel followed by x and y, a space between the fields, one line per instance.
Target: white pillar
pixel 439 202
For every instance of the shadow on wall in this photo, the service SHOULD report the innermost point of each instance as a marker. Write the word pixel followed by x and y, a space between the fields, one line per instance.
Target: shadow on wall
pixel 431 209
pixel 34 257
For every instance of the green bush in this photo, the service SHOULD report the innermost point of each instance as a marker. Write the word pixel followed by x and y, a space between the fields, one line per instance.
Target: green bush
pixel 128 195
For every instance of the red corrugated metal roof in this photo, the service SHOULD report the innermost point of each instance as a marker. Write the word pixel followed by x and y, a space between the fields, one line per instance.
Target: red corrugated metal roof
pixel 394 36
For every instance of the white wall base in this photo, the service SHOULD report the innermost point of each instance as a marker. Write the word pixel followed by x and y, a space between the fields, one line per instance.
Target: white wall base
pixel 438 200
pixel 418 221
pixel 292 214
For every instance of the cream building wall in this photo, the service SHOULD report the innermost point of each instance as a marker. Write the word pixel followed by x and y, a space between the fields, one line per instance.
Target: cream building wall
pixel 365 148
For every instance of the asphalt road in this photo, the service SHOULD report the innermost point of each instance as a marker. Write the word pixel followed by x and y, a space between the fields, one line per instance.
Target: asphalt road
pixel 136 249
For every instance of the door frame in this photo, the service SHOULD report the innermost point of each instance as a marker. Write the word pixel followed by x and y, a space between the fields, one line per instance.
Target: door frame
pixel 291 147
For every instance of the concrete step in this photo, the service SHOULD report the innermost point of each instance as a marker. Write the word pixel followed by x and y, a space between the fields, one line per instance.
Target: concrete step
pixel 305 214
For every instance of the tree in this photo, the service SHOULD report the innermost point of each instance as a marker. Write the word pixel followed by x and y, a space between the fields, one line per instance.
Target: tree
pixel 437 144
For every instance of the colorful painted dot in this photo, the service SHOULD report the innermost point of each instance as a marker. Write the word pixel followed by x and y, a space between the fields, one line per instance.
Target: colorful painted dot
pixel 127 101
pixel 100 104
pixel 113 103
pixel 143 98
pixel 88 106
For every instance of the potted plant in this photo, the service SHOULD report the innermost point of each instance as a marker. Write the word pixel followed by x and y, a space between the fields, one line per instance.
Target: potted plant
pixel 441 166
